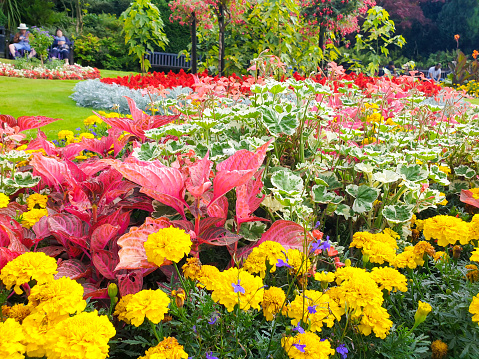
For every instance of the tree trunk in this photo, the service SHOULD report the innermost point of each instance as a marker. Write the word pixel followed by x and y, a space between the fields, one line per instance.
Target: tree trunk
pixel 194 60
pixel 221 45
pixel 321 44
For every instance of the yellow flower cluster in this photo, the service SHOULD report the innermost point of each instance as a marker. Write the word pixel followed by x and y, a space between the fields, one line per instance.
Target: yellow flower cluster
pixel 378 247
pixel 4 200
pixel 150 304
pixel 237 286
pixel 37 200
pixel 29 266
pixel 474 308
pixel 66 135
pixel 389 278
pixel 32 216
pixel 168 348
pixel 447 230
pixel 266 254
pixel 170 244
pixel 307 345
pixel 53 323
pixel 274 301
pixel 92 120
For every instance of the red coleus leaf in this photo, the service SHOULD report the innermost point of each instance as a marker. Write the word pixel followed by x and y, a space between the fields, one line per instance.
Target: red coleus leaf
pixel 165 184
pixel 52 171
pixel 72 268
pixel 132 253
pixel 68 228
pixel 237 170
pixel 31 122
pixel 92 291
pixel 468 197
pixel 130 283
pixel 247 200
pixel 288 234
pixel 6 255
pixel 198 181
pixel 51 251
pixel 105 262
pixel 102 235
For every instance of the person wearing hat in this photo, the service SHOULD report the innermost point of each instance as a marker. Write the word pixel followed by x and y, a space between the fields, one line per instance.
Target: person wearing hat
pixel 21 41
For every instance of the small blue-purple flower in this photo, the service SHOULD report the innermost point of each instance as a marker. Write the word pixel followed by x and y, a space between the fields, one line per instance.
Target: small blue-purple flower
pixel 312 309
pixel 213 320
pixel 282 263
pixel 300 346
pixel 299 329
pixel 210 355
pixel 238 288
pixel 343 351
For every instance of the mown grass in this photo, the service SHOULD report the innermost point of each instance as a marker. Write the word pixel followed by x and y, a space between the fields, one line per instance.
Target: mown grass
pixel 50 98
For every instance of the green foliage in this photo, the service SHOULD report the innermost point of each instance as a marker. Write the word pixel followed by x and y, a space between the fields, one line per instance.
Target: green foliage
pixel 179 36
pixel 464 70
pixel 86 46
pixel 3 18
pixel 11 10
pixel 41 41
pixel 143 27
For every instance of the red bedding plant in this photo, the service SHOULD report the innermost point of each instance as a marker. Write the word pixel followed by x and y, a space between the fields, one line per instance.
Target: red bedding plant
pixel 67 72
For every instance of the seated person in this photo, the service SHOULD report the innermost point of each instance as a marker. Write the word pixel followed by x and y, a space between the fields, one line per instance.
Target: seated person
pixel 391 68
pixel 61 46
pixel 21 42
pixel 435 72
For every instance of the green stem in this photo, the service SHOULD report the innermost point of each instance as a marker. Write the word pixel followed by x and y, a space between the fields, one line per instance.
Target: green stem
pixel 153 326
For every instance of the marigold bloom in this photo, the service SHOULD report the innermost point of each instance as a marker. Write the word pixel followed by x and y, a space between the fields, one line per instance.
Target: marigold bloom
pixel 83 336
pixel 324 278
pixel 65 135
pixel 298 261
pixel 167 244
pixel 26 267
pixel 408 259
pixel 226 291
pixel 389 278
pixel 474 228
pixel 374 319
pixel 11 345
pixel 447 230
pixel 475 255
pixel 378 248
pixel 474 308
pixel 439 349
pixel 207 277
pixel 168 348
pixel 267 251
pixel 18 312
pixel 320 310
pixel 86 135
pixel 37 200
pixel 33 216
pixel 152 304
pixel 473 273
pixel 120 308
pixel 91 120
pixel 273 300
pixel 4 200
pixel 192 268
pixel 307 345
pixel 422 311
pixel 57 299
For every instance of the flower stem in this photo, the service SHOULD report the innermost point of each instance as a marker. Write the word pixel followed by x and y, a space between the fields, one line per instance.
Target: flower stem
pixel 153 326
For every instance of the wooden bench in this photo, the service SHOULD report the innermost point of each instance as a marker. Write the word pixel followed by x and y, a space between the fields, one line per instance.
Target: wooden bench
pixel 163 59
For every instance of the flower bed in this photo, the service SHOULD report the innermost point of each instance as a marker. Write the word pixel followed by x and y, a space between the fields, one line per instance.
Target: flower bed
pixel 65 72
pixel 295 220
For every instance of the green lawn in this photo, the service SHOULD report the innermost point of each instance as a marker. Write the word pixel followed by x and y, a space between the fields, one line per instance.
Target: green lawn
pixel 50 98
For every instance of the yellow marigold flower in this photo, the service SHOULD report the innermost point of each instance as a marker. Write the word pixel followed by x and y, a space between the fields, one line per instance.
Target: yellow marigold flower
pixel 474 308
pixel 475 255
pixel 445 169
pixel 207 276
pixel 91 120
pixel 168 348
pixel 21 148
pixel 273 300
pixel 83 336
pixel 474 228
pixel 324 278
pixel 389 278
pixel 375 118
pixel 267 251
pixel 422 247
pixel 4 200
pixel 33 216
pixel 378 248
pixel 475 192
pixel 167 244
pixel 152 304
pixel 192 268
pixel 319 309
pixel 444 201
pixel 439 349
pixel 237 286
pixel 473 273
pixel 65 135
pixel 375 319
pixel 408 259
pixel 420 224
pixel 391 233
pixel 11 345
pixel 57 299
pixel 37 200
pixel 441 255
pixel 307 345
pixel 421 313
pixel 26 267
pixel 86 135
pixel 36 327
pixel 18 312
pixel 120 308
pixel 447 230
pixel 297 260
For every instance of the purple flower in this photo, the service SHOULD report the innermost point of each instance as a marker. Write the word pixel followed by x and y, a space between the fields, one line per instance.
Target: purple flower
pixel 194 328
pixel 299 329
pixel 213 320
pixel 282 263
pixel 321 245
pixel 238 288
pixel 210 355
pixel 312 309
pixel 300 346
pixel 318 223
pixel 341 349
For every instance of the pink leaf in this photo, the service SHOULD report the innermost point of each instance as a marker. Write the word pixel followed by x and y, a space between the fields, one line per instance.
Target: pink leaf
pixel 105 262
pixel 31 122
pixel 72 268
pixel 92 291
pixel 6 255
pixel 132 253
pixel 102 235
pixel 219 236
pixel 51 170
pixel 468 197
pixel 130 283
pixel 198 182
pixel 247 200
pixel 67 228
pixel 51 251
pixel 9 120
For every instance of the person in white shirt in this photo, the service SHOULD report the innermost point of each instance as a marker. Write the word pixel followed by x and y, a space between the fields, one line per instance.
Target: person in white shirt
pixel 435 72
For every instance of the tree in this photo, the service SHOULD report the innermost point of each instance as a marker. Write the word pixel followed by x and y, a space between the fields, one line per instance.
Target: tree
pixel 208 13
pixel 12 12
pixel 143 27
pixel 407 12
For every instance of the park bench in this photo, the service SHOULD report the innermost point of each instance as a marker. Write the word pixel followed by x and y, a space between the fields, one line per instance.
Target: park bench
pixel 163 59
